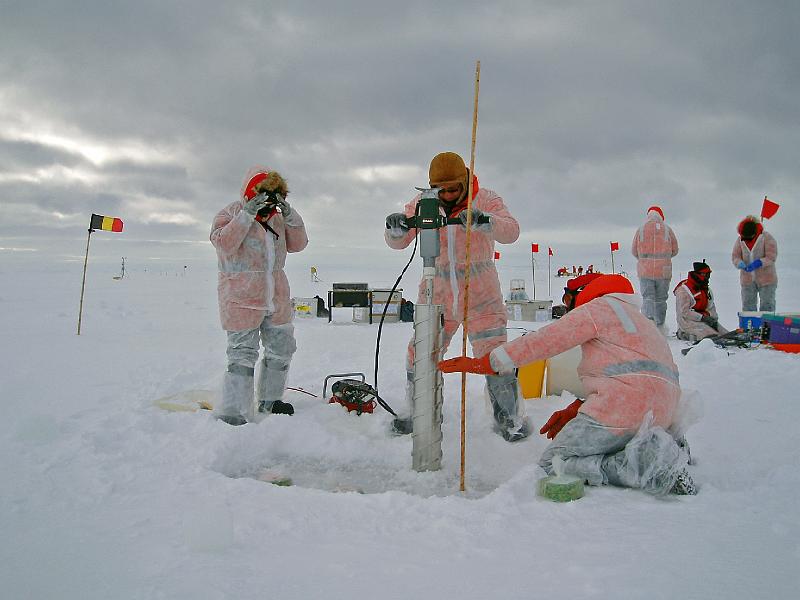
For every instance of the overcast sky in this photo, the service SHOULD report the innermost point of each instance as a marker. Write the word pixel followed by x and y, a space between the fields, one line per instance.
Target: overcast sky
pixel 589 112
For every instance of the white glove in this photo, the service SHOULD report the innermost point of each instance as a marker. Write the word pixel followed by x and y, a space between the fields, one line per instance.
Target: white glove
pixel 285 207
pixel 251 207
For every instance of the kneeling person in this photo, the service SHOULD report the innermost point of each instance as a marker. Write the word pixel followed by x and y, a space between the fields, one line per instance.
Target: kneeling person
pixel 619 434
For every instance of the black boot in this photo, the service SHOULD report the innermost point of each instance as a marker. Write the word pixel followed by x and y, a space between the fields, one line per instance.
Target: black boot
pixel 279 407
pixel 684 485
pixel 402 426
pixel 232 419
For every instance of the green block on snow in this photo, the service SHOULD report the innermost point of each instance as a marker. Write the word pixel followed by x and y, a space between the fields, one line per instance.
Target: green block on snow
pixel 560 488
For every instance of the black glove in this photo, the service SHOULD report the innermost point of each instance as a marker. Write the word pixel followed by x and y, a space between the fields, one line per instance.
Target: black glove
pixel 710 321
pixel 476 215
pixel 396 224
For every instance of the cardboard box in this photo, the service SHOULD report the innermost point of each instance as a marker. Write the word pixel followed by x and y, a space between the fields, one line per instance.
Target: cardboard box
pixel 530 310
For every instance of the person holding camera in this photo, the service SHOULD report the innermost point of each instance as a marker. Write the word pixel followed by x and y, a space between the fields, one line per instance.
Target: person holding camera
pixel 486 322
pixel 252 237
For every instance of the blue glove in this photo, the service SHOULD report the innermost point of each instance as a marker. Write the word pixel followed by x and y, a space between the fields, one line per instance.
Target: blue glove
pixel 742 265
pixel 756 264
pixel 396 224
pixel 476 215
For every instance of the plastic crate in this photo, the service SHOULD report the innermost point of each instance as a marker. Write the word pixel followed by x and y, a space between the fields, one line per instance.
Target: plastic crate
pixel 783 329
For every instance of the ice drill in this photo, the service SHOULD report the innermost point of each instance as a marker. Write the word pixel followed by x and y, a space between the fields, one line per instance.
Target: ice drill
pixel 426 452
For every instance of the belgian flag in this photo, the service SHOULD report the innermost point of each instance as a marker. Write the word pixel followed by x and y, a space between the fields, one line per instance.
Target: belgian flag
pixel 105 223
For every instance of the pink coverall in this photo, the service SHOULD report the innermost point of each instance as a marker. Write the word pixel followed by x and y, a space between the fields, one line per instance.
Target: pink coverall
pixel 251 281
pixel 254 301
pixel 654 245
pixel 487 318
pixel 620 433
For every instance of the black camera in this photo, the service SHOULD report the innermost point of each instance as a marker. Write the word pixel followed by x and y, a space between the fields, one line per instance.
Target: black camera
pixel 272 202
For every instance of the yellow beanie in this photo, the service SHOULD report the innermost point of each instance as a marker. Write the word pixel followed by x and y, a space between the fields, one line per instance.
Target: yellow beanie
pixel 447 167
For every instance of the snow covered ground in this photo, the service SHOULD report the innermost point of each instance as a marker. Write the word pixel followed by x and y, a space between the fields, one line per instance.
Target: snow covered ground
pixel 106 496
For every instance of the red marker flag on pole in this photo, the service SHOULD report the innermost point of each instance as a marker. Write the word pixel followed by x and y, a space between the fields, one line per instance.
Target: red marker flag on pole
pixel 549 251
pixel 534 247
pixel 769 208
pixel 496 255
pixel 614 246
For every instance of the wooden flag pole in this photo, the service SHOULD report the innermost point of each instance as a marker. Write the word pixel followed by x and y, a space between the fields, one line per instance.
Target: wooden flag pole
pixel 466 276
pixel 612 262
pixel 83 283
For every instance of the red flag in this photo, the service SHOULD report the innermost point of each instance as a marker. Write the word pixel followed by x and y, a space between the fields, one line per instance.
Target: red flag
pixel 769 208
pixel 614 246
pixel 496 255
pixel 549 251
pixel 534 247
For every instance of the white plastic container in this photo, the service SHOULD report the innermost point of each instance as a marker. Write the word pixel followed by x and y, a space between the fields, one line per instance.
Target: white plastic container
pixel 562 373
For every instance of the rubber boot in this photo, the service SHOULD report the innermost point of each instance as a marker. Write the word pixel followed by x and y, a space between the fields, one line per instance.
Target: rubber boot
pixel 403 424
pixel 270 386
pixel 237 396
pixel 504 397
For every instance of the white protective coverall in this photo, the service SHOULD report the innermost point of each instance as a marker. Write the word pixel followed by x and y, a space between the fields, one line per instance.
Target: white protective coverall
pixel 758 286
pixel 654 245
pixel 624 433
pixel 690 326
pixel 487 320
pixel 254 301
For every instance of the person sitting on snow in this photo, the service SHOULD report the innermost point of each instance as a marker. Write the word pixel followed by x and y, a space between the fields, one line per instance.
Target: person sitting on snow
pixel 252 236
pixel 624 432
pixel 754 254
pixel 694 306
pixel 487 318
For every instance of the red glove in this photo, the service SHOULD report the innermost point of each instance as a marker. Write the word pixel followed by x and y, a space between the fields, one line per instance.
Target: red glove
pixel 463 364
pixel 560 418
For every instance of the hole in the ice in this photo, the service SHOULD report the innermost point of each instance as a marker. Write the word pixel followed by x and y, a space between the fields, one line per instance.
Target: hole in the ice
pixel 366 478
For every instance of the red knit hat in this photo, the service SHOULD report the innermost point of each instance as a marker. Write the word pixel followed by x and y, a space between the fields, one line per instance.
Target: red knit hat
pixel 658 210
pixel 600 286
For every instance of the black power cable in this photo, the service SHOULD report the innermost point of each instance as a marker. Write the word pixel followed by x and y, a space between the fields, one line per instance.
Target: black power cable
pixel 383 317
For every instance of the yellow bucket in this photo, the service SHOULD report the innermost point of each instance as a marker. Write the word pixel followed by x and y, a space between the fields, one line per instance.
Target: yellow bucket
pixel 531 379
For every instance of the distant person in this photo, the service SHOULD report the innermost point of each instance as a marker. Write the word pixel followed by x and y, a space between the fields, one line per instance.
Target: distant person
pixel 252 236
pixel 755 253
pixel 624 432
pixel 487 320
pixel 694 306
pixel 654 246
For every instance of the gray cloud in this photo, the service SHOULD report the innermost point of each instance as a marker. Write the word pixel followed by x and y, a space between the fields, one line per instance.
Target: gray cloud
pixel 589 113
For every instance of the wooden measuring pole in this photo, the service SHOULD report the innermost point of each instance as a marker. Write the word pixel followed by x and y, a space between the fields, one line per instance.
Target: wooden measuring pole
pixel 466 276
